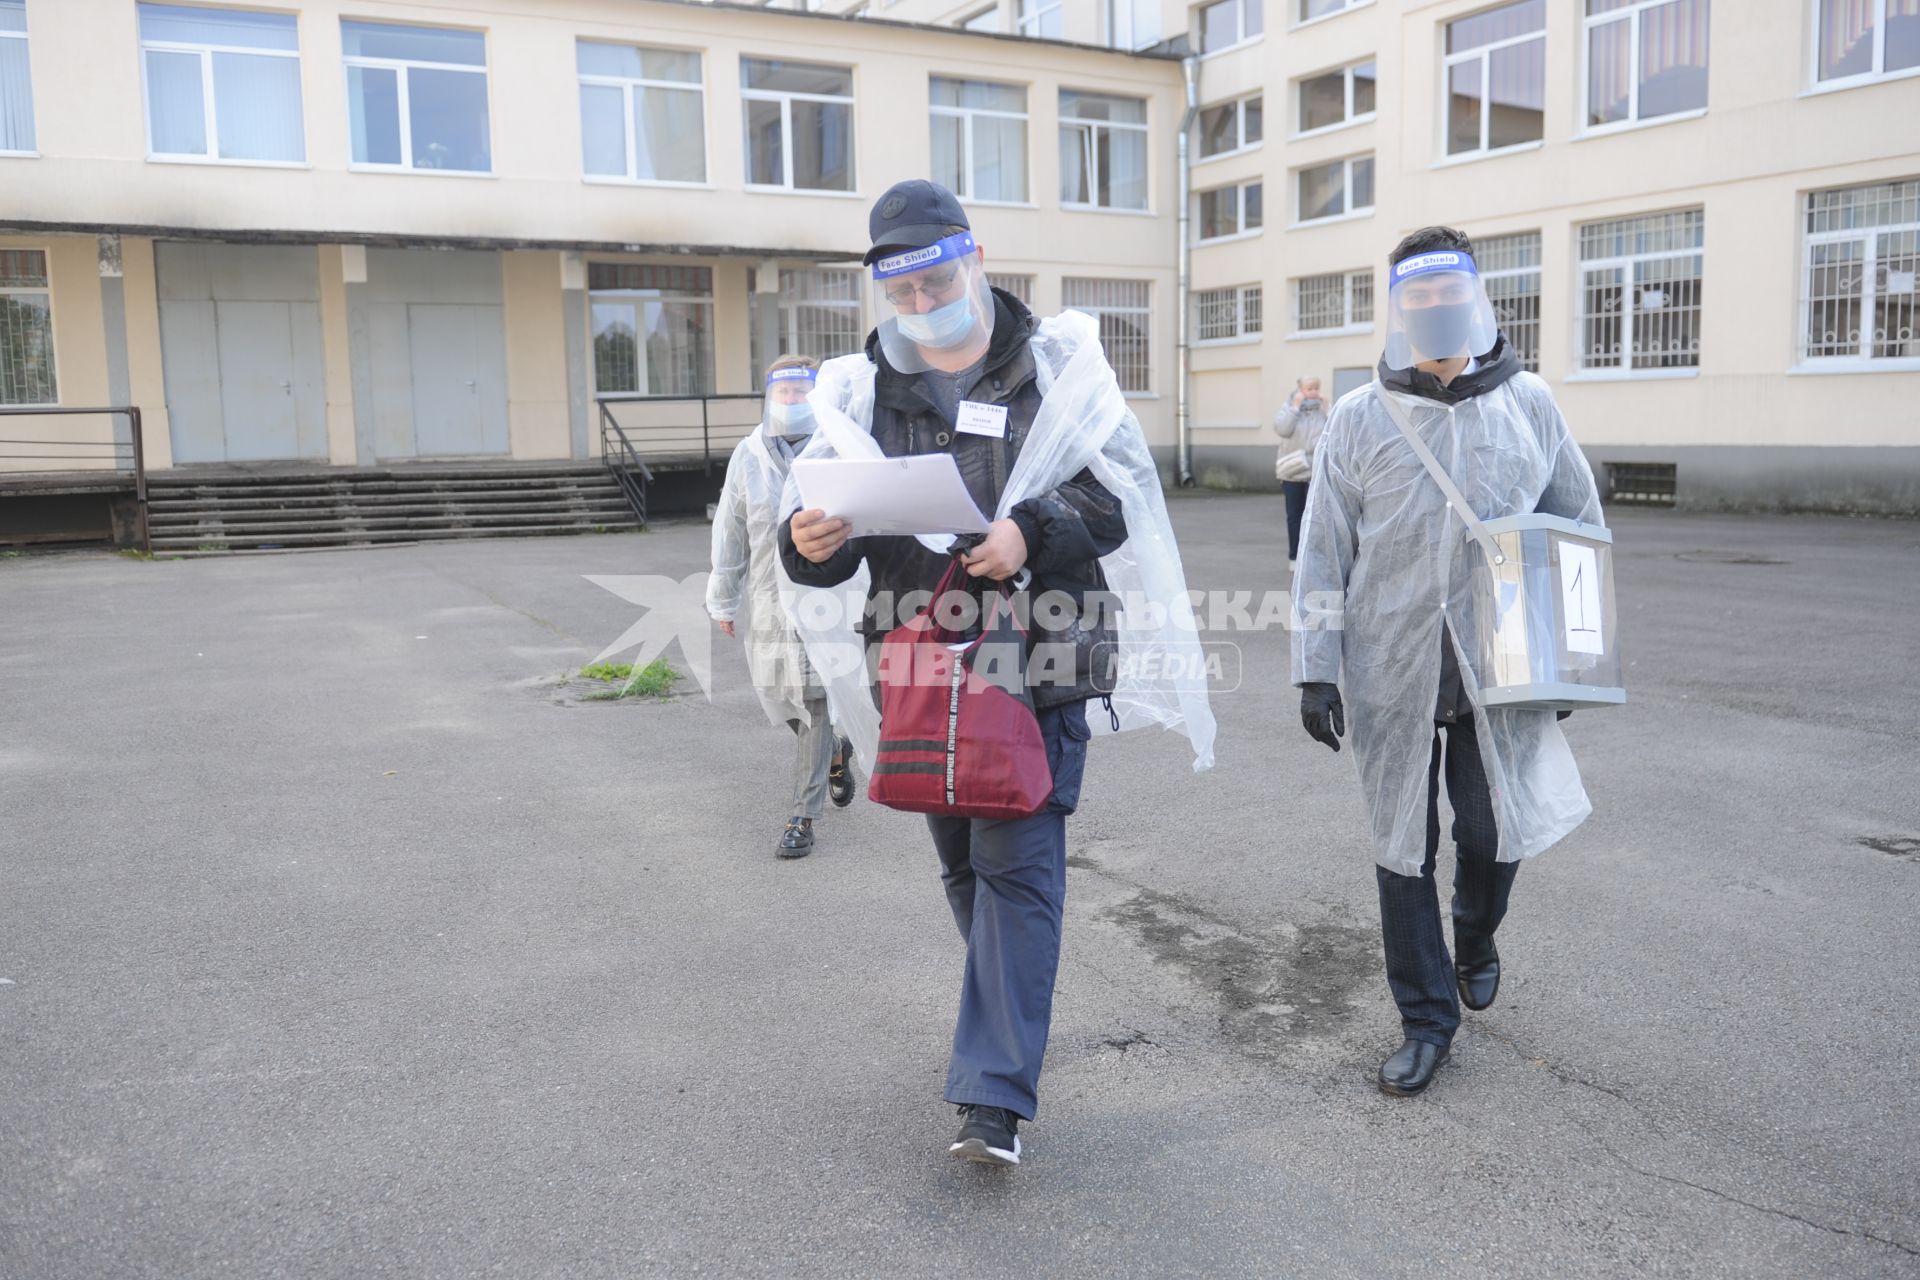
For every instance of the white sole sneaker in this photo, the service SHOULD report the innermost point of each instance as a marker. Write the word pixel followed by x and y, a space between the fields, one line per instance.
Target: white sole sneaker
pixel 977 1150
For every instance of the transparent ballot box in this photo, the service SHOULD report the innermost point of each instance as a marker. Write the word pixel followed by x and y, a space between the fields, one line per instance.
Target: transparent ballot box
pixel 1549 637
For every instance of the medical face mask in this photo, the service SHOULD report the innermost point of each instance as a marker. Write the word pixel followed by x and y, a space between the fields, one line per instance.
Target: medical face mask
pixel 1440 333
pixel 943 327
pixel 791 419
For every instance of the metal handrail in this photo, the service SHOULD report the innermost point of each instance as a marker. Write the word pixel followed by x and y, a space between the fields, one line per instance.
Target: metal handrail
pixel 661 434
pixel 137 445
pixel 629 462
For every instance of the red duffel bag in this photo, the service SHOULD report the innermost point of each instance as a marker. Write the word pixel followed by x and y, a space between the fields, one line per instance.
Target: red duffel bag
pixel 958 734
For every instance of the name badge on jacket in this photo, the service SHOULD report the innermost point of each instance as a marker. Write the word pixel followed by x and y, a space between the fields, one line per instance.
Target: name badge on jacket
pixel 978 419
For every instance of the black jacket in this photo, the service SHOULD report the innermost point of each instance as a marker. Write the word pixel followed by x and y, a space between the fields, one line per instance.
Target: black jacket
pixel 1067 530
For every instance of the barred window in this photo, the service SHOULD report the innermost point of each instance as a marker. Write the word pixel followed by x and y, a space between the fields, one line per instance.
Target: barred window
pixel 1122 308
pixel 820 315
pixel 1862 263
pixel 26 329
pixel 1333 303
pixel 1020 287
pixel 652 328
pixel 1228 211
pixel 1232 312
pixel 1640 291
pixel 1510 266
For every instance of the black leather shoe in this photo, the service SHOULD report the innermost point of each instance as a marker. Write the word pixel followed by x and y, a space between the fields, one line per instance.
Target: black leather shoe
pixel 1478 978
pixel 1411 1069
pixel 840 776
pixel 797 840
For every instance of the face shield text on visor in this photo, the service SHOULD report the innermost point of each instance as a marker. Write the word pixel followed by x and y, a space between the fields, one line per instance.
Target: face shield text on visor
pixel 1437 309
pixel 935 309
pixel 787 412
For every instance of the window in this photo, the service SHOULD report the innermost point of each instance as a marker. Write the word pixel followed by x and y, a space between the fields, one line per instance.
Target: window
pixel 1309 10
pixel 1341 189
pixel 1222 314
pixel 1645 59
pixel 1103 151
pixel 1337 98
pixel 652 328
pixel 1041 18
pixel 1510 268
pixel 819 310
pixel 417 97
pixel 1133 24
pixel 1226 23
pixel 1496 78
pixel 1225 212
pixel 1858 40
pixel 1230 127
pixel 985 20
pixel 16 81
pixel 980 139
pixel 1020 287
pixel 26 329
pixel 1863 260
pixel 1341 303
pixel 1640 291
pixel 799 123
pixel 1121 307
pixel 642 113
pixel 222 84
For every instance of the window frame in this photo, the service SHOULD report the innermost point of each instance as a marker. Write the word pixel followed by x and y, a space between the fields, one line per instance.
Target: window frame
pixel 1110 14
pixel 1097 310
pixel 1144 127
pixel 1348 212
pixel 1241 335
pixel 1348 326
pixel 1295 23
pixel 1484 55
pixel 1349 120
pixel 46 257
pixel 26 38
pixel 1816 85
pixel 628 86
pixel 966 21
pixel 1241 38
pixel 966 116
pixel 788 303
pixel 1862 360
pixel 1241 146
pixel 208 106
pixel 786 98
pixel 1629 13
pixel 1580 370
pixel 1537 271
pixel 1240 212
pixel 403 98
pixel 637 299
pixel 1042 9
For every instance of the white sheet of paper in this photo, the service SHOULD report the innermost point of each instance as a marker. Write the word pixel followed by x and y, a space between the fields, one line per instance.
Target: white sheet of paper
pixel 1580 598
pixel 918 493
pixel 979 419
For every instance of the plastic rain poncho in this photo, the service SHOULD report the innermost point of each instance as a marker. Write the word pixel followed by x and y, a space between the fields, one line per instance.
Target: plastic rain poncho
pixel 1381 553
pixel 1083 422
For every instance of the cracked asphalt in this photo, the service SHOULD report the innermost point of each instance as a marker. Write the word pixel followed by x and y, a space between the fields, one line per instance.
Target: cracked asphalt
pixel 336 941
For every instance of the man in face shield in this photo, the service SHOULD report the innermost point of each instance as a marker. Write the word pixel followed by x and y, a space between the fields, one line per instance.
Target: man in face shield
pixel 954 373
pixel 1385 592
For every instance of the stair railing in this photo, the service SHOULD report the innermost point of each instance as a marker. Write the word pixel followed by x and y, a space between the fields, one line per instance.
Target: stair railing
pixel 629 469
pixel 128 455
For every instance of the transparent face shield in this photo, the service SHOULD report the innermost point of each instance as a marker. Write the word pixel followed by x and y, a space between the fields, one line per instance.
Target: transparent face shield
pixel 1437 309
pixel 787 412
pixel 935 308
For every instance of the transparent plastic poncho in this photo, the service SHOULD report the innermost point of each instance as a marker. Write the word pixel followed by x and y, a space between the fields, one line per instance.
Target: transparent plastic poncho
pixel 1083 423
pixel 1384 564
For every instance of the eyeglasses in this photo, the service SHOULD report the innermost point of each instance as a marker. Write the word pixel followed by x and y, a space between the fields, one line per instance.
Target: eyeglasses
pixel 934 285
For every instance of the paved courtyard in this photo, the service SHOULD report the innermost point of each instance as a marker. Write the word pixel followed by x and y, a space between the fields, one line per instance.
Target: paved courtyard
pixel 334 943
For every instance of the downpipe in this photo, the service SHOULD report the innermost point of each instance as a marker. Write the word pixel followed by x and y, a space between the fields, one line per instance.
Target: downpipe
pixel 1183 384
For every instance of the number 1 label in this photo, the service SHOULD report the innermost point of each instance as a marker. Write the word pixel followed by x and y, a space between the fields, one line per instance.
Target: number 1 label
pixel 1580 598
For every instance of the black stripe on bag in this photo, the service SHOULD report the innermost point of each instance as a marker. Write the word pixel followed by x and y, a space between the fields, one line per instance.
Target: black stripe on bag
pixel 909 766
pixel 913 744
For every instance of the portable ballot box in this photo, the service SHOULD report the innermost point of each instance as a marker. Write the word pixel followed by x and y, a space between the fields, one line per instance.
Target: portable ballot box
pixel 1549 637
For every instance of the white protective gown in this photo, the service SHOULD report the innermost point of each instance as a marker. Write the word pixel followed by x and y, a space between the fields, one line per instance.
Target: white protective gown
pixel 1380 547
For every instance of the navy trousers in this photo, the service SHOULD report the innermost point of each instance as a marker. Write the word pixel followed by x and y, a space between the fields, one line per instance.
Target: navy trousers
pixel 1295 494
pixel 1419 971
pixel 1007 885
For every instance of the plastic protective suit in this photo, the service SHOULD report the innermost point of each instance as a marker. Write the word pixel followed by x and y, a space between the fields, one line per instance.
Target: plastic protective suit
pixel 1083 422
pixel 1383 563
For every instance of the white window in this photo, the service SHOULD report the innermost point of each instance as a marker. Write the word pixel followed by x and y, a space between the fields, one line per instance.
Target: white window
pixel 1496 78
pixel 1226 212
pixel 642 113
pixel 1640 291
pixel 1230 127
pixel 1337 98
pixel 1133 24
pixel 417 97
pixel 222 84
pixel 1126 320
pixel 1309 10
pixel 1340 303
pixel 1510 268
pixel 1223 314
pixel 1019 286
pixel 1103 151
pixel 652 329
pixel 16 81
pixel 1041 18
pixel 799 124
pixel 26 329
pixel 1862 265
pixel 980 139
pixel 1226 23
pixel 985 20
pixel 1644 59
pixel 1860 40
pixel 1341 189
pixel 819 314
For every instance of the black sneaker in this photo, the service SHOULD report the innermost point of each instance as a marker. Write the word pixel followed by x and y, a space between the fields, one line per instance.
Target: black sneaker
pixel 840 777
pixel 987 1136
pixel 797 840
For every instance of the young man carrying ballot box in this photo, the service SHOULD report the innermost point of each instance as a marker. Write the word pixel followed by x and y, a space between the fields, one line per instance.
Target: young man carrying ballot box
pixel 1384 589
pixel 1033 419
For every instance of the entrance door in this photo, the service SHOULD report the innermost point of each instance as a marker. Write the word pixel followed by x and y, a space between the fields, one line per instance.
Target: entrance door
pixel 256 380
pixel 458 380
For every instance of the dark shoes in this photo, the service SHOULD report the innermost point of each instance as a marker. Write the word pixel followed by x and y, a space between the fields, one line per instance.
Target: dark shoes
pixel 840 777
pixel 797 840
pixel 1478 974
pixel 1411 1069
pixel 988 1136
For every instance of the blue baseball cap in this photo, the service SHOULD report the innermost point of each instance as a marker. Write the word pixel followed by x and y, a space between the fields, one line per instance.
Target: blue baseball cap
pixel 912 215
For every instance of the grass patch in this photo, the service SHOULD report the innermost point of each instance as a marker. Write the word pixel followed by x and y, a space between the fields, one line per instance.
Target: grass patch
pixel 135 553
pixel 655 680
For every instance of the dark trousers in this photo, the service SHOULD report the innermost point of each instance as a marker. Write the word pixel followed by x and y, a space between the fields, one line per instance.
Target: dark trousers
pixel 1007 884
pixel 1418 968
pixel 1295 493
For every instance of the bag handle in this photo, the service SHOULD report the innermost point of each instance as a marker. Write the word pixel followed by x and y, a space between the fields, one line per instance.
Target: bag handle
pixel 1002 594
pixel 1455 499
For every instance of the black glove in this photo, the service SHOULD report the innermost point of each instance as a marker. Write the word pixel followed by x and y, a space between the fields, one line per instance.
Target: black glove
pixel 1322 712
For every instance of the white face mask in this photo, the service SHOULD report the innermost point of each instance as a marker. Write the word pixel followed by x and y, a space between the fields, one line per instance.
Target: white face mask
pixel 791 419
